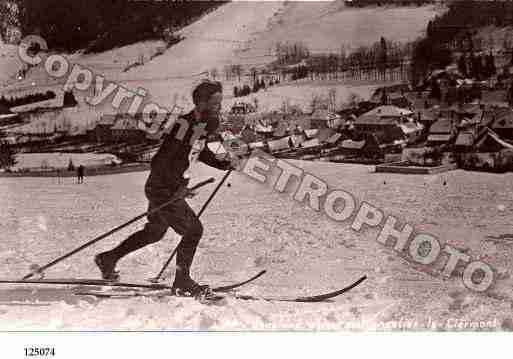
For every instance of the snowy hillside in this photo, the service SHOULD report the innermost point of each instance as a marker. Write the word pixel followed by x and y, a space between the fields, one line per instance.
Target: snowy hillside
pixel 327 26
pixel 9 63
pixel 242 33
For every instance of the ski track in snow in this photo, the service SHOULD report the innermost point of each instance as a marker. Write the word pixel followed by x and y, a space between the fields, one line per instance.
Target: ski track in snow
pixel 248 227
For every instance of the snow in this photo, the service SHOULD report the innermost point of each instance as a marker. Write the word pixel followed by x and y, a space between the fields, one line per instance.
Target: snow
pixel 249 227
pixel 327 25
pixel 10 63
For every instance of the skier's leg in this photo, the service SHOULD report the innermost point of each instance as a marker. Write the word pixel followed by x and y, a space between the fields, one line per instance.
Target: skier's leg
pixel 152 232
pixel 187 247
pixel 184 221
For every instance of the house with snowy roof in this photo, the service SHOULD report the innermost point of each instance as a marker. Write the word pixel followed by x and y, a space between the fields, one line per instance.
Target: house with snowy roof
pixel 441 132
pixel 503 124
pixel 324 119
pixel 126 129
pixel 388 123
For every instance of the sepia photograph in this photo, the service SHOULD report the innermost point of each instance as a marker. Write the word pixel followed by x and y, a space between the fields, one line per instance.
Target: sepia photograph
pixel 174 166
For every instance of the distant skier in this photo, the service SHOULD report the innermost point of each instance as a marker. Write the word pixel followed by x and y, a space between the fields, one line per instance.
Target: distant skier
pixel 168 178
pixel 80 174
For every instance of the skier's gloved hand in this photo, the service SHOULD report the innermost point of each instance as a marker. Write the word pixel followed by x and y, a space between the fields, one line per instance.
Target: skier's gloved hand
pixel 234 163
pixel 184 192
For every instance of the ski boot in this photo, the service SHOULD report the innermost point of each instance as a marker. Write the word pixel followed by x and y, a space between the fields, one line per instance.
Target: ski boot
pixel 107 267
pixel 187 287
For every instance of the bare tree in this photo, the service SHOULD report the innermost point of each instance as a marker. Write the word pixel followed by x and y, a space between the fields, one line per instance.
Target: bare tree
pixel 332 95
pixel 228 72
pixel 254 73
pixel 237 70
pixel 214 73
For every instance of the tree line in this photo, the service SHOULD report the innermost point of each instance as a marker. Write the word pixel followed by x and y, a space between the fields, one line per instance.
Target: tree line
pixel 295 61
pixel 371 61
pixel 98 25
pixel 364 3
pixel 25 100
pixel 477 66
pixel 453 31
pixel 257 86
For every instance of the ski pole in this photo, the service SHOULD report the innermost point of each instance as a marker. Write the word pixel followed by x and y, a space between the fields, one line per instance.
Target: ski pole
pixel 157 278
pixel 91 242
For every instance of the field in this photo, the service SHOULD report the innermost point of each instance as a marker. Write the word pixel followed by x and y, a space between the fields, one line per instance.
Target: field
pixel 249 227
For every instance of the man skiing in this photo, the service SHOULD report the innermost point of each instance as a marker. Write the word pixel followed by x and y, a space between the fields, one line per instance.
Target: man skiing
pixel 168 178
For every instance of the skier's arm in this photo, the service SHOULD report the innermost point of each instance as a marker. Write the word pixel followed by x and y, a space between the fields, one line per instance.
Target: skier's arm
pixel 208 157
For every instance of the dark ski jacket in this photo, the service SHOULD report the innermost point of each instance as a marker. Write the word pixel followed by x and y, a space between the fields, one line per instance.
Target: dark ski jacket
pixel 172 160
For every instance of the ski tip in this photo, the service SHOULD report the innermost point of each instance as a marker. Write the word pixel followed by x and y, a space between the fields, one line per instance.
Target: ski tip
pixel 359 281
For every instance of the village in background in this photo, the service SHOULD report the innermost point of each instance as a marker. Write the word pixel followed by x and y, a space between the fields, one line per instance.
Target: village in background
pixel 440 102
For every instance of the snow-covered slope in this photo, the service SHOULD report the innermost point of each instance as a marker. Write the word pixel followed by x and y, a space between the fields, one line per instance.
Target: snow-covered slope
pixel 243 33
pixel 249 227
pixel 10 63
pixel 325 26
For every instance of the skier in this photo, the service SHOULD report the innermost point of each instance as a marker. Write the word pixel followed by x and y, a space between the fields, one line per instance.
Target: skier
pixel 80 174
pixel 168 178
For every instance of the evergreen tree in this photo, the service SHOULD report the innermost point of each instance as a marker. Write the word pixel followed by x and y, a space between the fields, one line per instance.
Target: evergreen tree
pixel 69 99
pixel 383 56
pixel 435 91
pixel 71 166
pixel 7 156
pixel 478 67
pixel 510 96
pixel 429 30
pixel 384 97
pixel 462 66
pixel 491 69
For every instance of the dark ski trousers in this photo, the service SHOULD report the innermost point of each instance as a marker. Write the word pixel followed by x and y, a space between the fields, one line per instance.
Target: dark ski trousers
pixel 180 217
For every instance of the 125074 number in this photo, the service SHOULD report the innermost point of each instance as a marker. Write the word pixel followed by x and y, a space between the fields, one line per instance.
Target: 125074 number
pixel 39 352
